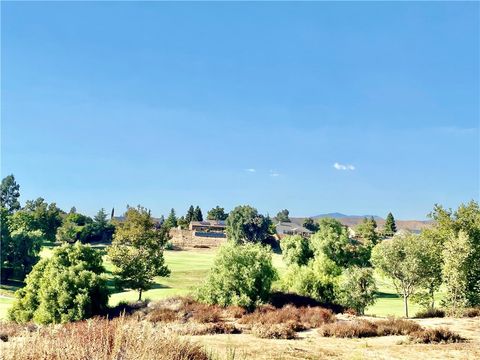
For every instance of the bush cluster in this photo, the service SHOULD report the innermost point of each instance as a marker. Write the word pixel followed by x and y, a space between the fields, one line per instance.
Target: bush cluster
pixel 435 336
pixel 363 328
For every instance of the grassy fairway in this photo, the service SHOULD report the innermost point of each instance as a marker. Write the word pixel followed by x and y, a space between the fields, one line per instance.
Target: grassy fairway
pixel 190 267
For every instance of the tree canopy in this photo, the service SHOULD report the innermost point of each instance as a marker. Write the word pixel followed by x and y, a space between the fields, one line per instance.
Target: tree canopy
pixel 390 228
pixel 217 213
pixel 137 251
pixel 9 194
pixel 241 275
pixel 68 286
pixel 245 224
pixel 282 216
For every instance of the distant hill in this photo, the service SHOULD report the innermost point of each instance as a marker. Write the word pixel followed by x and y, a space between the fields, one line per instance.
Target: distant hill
pixel 337 215
pixel 354 220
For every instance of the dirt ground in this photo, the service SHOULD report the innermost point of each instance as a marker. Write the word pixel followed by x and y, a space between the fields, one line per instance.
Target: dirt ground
pixel 312 346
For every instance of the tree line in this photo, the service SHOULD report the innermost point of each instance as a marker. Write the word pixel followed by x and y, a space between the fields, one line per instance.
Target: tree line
pixel 329 266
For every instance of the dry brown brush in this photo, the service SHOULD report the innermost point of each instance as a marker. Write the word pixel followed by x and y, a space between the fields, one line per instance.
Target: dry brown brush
pixel 360 328
pixel 102 339
pixel 435 336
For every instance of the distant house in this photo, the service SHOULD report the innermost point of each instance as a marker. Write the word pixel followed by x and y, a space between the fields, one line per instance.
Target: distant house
pixel 291 228
pixel 208 228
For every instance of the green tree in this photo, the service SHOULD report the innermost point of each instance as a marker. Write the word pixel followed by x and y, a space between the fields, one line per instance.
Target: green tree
pixel 241 275
pixel 295 250
pixel 47 217
pixel 171 221
pixel 190 214
pixel 9 194
pixel 368 236
pixel 357 288
pixel 69 232
pixel 311 225
pixel 137 251
pixel 390 228
pixel 21 244
pixel 197 214
pixel 404 260
pixel 282 216
pixel 465 219
pixel 318 279
pixel 332 240
pixel 455 271
pixel 182 222
pixel 245 224
pixel 68 286
pixel 217 213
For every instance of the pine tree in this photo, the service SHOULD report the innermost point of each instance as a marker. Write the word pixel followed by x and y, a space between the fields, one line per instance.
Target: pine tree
pixel 9 194
pixel 197 215
pixel 171 221
pixel 190 214
pixel 390 228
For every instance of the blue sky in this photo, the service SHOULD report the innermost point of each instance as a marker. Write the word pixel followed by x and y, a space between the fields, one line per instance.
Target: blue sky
pixel 360 108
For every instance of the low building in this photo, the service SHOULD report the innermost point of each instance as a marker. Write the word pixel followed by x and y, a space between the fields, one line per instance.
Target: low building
pixel 291 228
pixel 208 228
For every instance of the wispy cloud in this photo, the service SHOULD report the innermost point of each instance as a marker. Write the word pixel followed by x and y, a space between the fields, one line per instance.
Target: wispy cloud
pixel 274 173
pixel 343 166
pixel 250 170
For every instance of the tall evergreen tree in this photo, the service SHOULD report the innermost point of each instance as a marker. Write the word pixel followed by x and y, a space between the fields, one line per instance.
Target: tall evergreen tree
pixel 390 228
pixel 190 214
pixel 197 215
pixel 9 194
pixel 171 221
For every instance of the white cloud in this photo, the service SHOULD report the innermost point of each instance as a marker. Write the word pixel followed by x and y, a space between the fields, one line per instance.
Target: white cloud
pixel 274 173
pixel 250 170
pixel 343 166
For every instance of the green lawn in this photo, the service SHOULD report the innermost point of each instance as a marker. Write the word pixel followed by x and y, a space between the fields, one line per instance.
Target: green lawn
pixel 189 268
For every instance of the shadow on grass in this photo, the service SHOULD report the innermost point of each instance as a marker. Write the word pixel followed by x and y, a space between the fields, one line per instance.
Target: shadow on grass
pixel 11 285
pixel 115 290
pixel 384 295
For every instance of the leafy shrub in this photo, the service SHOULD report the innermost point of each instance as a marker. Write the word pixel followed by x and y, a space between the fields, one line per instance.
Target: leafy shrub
pixel 357 289
pixel 120 338
pixel 318 279
pixel 435 336
pixel 241 275
pixel 169 246
pixel 430 313
pixel 296 250
pixel 66 287
pixel 276 331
